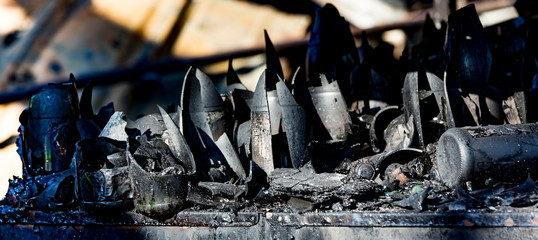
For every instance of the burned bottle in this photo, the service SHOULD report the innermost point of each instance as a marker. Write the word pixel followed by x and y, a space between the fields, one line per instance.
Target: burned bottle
pixel 262 153
pixel 425 103
pixel 293 118
pixel 331 108
pixel 331 50
pixel 204 124
pixel 159 180
pixel 103 181
pixel 50 130
pixel 503 153
pixel 472 99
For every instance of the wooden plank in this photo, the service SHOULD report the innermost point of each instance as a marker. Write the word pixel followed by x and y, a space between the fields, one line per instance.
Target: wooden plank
pixel 84 44
pixel 130 14
pixel 107 35
pixel 46 21
pixel 12 16
pixel 217 26
pixel 158 27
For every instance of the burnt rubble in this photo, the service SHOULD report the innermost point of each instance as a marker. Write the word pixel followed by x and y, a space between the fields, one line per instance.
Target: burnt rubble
pixel 334 138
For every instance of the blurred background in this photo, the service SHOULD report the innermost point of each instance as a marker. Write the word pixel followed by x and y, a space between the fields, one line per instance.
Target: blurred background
pixel 137 52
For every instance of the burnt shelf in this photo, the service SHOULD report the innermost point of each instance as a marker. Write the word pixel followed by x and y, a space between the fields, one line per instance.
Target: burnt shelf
pixel 269 225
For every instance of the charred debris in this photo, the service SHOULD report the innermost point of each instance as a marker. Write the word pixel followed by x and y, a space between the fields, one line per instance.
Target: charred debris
pixel 448 127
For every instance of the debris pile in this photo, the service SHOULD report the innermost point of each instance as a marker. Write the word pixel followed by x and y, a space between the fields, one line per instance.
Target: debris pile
pixel 336 137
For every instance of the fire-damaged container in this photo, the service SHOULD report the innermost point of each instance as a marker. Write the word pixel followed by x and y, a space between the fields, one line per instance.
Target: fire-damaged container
pixel 50 128
pixel 503 153
pixel 103 180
